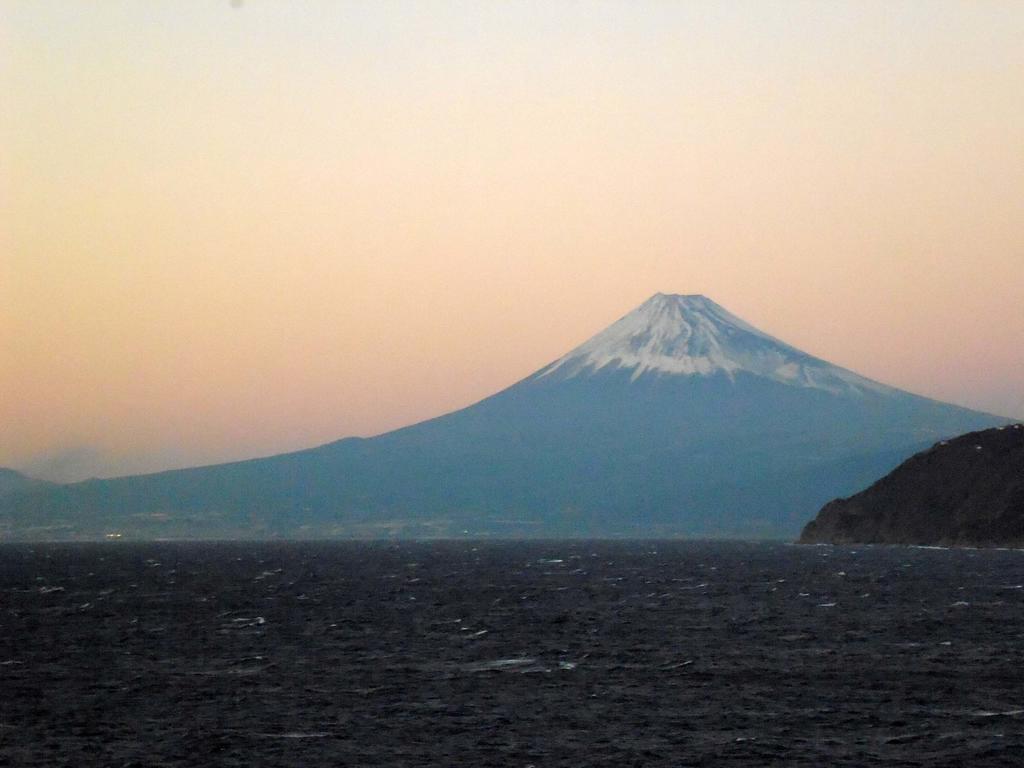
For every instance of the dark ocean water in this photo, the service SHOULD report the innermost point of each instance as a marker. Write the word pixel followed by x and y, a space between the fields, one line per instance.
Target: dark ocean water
pixel 509 654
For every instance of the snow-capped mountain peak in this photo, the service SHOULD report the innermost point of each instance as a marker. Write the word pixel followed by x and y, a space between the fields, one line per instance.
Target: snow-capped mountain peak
pixel 691 335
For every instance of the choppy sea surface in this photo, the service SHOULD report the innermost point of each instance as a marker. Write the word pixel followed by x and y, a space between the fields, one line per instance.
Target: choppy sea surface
pixel 509 654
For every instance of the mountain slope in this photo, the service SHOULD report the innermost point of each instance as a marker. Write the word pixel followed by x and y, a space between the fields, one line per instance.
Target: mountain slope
pixel 966 491
pixel 679 419
pixel 10 481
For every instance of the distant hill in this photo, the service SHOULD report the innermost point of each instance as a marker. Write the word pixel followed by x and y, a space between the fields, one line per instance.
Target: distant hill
pixel 680 419
pixel 967 491
pixel 11 480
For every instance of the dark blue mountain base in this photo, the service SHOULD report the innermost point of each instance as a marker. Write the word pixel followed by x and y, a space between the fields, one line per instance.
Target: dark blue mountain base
pixel 593 455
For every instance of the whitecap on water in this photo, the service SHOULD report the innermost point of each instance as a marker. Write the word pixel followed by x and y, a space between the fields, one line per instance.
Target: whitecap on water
pixel 294 735
pixel 1007 713
pixel 519 663
pixel 677 665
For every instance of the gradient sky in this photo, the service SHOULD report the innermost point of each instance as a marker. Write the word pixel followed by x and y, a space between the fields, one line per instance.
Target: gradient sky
pixel 235 229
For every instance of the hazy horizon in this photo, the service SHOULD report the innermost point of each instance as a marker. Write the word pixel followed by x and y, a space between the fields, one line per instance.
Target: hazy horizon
pixel 238 229
pixel 84 462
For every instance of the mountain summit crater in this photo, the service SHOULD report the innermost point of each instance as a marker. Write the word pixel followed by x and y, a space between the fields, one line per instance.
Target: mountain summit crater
pixel 691 335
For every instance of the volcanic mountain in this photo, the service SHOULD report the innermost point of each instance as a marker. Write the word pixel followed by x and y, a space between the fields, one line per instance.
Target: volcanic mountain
pixel 679 419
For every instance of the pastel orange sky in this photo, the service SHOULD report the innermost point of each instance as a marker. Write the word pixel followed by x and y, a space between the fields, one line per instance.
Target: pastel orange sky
pixel 235 231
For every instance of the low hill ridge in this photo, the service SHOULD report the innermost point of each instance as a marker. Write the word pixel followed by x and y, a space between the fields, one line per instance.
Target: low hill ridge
pixel 12 480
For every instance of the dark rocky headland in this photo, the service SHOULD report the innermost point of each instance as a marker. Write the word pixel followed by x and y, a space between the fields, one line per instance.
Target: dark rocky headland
pixel 968 491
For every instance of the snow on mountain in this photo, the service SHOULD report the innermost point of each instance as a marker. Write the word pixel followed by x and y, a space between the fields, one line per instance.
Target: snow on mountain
pixel 690 335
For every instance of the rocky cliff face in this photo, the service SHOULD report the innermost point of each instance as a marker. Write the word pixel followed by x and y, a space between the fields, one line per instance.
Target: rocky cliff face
pixel 968 491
